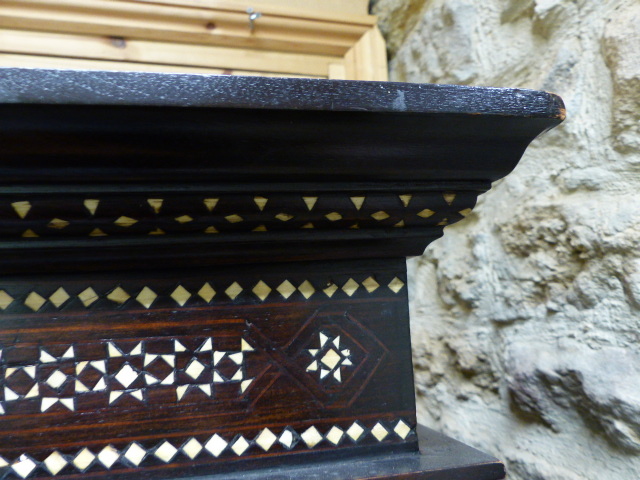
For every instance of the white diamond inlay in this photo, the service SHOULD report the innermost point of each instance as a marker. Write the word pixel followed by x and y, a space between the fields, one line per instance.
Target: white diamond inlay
pixel 335 435
pixel 127 375
pixel 56 379
pixel 311 437
pixel 240 446
pixel 192 448
pixel 166 452
pixel 331 359
pixel 24 466
pixel 355 431
pixel 108 456
pixel 84 459
pixel 286 438
pixel 402 429
pixel 135 454
pixel 195 369
pixel 266 439
pixel 216 445
pixel 55 463
pixel 379 432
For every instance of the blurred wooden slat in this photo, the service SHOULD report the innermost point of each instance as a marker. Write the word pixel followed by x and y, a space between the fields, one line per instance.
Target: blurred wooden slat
pixel 105 48
pixel 321 40
pixel 42 61
pixel 181 24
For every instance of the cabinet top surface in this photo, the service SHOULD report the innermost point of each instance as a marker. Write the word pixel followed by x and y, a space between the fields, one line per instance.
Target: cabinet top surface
pixel 76 87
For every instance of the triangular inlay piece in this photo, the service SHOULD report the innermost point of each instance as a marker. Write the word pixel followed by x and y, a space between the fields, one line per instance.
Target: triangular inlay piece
pixel 310 202
pixel 155 203
pixel 91 204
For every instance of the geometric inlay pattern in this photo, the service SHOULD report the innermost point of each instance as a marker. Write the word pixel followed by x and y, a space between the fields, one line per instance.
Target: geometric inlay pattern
pixel 136 455
pixel 125 371
pixel 146 296
pixel 219 213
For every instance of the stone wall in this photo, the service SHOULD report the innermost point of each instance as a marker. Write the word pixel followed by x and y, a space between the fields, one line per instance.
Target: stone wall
pixel 526 315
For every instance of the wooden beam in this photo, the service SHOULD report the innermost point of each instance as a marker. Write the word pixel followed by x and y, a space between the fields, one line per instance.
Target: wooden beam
pixel 351 11
pixel 44 61
pixel 143 51
pixel 146 21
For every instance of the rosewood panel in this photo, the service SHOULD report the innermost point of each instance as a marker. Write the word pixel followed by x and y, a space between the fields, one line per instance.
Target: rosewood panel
pixel 251 361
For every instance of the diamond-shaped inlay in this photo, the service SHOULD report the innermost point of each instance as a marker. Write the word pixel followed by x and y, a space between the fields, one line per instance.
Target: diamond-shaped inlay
pixel 55 463
pixel 195 369
pixel 306 289
pixel 234 218
pixel 88 296
pixel 402 429
pixel 184 219
pixel 426 213
pixel 311 437
pixel 330 290
pixel 108 456
pixel 261 290
pixel 216 445
pixel 207 292
pixel 370 284
pixel 355 431
pixel 379 432
pixel 350 287
pixel 84 459
pixel 59 297
pixel 180 295
pixel 56 379
pixel 333 216
pixel 135 454
pixel 24 466
pixel 240 446
pixel 118 295
pixel 284 217
pixel 335 435
pixel 166 452
pixel 396 285
pixel 331 359
pixel 287 439
pixel 125 221
pixel 58 223
pixel 192 448
pixel 286 289
pixel 381 215
pixel 233 290
pixel 146 297
pixel 127 375
pixel 5 300
pixel 266 439
pixel 34 301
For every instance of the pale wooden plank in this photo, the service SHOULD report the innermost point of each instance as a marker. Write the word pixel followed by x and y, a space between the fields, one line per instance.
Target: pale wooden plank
pixel 43 61
pixel 180 24
pixel 351 11
pixel 103 48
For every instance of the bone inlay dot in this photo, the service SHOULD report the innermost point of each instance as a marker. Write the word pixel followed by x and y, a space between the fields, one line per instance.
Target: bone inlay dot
pixel 311 437
pixel 266 439
pixel 166 452
pixel 84 459
pixel 192 448
pixel 379 432
pixel 355 431
pixel 108 456
pixel 216 445
pixel 55 463
pixel 135 454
